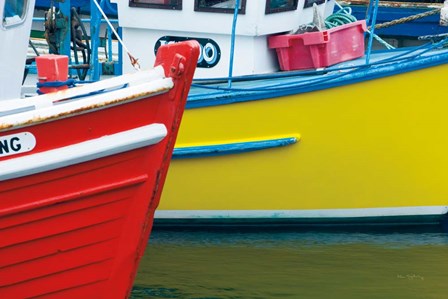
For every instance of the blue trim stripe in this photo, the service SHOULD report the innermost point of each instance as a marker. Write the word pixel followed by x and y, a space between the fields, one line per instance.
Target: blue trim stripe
pixel 231 148
pixel 252 88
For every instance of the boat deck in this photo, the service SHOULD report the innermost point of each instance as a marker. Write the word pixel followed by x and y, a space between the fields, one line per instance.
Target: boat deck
pixel 244 88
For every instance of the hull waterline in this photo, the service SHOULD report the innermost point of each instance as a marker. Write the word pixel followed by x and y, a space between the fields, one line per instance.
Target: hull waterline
pixel 370 151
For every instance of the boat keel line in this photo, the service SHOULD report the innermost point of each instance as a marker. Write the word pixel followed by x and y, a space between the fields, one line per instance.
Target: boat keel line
pixel 315 213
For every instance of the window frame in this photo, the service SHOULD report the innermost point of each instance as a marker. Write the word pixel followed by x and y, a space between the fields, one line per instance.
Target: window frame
pixel 136 3
pixel 270 10
pixel 22 17
pixel 241 10
pixel 309 3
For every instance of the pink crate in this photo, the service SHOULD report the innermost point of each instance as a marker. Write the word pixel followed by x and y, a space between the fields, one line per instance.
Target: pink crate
pixel 319 49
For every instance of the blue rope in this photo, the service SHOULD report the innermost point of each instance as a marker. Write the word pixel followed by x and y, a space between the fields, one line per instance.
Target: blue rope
pixel 232 41
pixel 369 13
pixel 402 57
pixel 201 83
pixel 372 29
pixel 69 83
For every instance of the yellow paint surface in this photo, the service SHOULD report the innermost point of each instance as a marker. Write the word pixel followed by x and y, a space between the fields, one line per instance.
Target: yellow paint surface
pixel 380 143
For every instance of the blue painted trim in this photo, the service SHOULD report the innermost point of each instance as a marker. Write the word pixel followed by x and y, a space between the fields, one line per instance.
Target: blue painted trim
pixel 65 47
pixel 82 5
pixel 119 66
pixel 95 37
pixel 231 148
pixel 372 23
pixel 113 21
pixel 423 26
pixel 232 42
pixel 398 62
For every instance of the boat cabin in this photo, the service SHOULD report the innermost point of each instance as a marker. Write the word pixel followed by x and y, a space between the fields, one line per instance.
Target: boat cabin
pixel 14 34
pixel 147 24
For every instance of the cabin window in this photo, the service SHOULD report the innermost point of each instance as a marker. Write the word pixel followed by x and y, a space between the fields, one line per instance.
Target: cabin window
pixel 223 6
pixel 309 3
pixel 162 4
pixel 14 12
pixel 274 6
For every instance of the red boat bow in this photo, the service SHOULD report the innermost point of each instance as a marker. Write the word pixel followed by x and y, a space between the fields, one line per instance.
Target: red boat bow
pixel 80 179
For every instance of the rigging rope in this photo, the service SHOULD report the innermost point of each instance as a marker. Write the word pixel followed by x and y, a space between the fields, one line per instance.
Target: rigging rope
pixel 334 74
pixel 407 19
pixel 134 61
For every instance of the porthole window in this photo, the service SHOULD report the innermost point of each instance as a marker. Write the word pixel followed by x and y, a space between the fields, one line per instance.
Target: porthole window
pixel 14 12
pixel 274 6
pixel 220 6
pixel 161 4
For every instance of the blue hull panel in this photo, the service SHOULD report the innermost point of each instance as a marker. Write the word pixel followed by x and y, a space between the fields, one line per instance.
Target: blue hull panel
pixel 424 26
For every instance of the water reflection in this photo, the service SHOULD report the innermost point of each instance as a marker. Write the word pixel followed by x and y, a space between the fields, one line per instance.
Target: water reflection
pixel 276 264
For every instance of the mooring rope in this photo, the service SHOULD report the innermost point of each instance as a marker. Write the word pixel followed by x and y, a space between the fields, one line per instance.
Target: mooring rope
pixel 133 60
pixel 407 19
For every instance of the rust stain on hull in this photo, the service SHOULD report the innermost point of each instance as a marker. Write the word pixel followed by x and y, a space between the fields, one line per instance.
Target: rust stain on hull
pixel 85 109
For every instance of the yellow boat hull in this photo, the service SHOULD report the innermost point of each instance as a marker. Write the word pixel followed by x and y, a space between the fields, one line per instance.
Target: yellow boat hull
pixel 374 148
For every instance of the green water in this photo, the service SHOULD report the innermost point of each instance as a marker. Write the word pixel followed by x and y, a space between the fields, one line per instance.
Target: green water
pixel 294 265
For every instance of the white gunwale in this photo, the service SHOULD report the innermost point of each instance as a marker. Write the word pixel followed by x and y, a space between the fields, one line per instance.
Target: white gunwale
pixel 82 152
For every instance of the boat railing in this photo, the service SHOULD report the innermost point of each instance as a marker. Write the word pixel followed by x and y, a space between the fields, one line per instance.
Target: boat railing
pixel 96 19
pixel 394 61
pixel 94 63
pixel 143 82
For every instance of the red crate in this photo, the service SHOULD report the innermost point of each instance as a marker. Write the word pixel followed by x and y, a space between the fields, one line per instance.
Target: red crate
pixel 319 49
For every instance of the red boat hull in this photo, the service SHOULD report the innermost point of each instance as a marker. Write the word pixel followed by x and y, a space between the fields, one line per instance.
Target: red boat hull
pixel 79 231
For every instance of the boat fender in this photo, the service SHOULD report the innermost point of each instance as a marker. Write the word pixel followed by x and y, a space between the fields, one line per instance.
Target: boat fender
pixel 444 14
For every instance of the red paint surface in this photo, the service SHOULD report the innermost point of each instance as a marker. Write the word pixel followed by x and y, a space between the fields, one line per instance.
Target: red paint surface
pixel 80 231
pixel 319 49
pixel 52 68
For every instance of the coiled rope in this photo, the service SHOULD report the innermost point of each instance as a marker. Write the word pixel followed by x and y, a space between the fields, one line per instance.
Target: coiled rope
pixel 344 16
pixel 341 17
